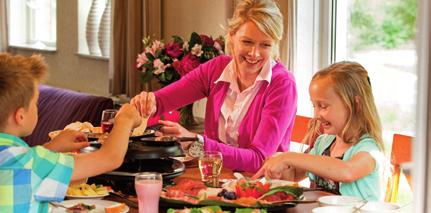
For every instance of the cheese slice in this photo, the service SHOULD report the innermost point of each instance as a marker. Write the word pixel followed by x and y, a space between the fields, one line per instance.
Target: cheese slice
pixel 141 128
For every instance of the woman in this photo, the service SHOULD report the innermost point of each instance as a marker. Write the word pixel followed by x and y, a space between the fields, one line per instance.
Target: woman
pixel 251 98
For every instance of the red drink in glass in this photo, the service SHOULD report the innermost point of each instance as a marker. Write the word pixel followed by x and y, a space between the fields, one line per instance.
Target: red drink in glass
pixel 106 126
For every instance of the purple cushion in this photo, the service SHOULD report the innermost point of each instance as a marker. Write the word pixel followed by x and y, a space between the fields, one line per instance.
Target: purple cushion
pixel 60 107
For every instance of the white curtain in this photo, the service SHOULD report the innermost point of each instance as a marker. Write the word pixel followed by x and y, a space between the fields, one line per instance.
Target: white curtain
pixel 3 26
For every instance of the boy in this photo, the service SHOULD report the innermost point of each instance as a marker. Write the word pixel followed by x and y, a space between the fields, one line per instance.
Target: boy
pixel 30 177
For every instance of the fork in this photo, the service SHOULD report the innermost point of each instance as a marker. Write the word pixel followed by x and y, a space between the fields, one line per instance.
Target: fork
pixel 57 204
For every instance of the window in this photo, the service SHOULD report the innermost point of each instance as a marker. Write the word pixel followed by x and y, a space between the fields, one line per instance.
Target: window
pixel 378 34
pixel 32 24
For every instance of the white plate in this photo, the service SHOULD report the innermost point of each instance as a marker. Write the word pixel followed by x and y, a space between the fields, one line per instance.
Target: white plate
pixel 86 197
pixel 100 205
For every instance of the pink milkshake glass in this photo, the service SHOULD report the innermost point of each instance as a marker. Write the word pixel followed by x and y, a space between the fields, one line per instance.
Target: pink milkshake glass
pixel 148 186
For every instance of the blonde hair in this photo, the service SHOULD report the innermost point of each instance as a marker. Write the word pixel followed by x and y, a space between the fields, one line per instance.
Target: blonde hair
pixel 265 14
pixel 351 83
pixel 18 75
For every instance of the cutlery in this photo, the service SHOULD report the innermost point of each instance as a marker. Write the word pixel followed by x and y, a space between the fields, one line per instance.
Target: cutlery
pixel 57 204
pixel 124 198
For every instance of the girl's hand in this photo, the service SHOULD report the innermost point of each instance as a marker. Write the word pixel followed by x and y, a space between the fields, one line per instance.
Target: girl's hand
pixel 67 141
pixel 170 128
pixel 273 168
pixel 145 103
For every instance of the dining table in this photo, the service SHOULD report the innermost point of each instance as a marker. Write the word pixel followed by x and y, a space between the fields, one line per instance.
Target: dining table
pixel 193 173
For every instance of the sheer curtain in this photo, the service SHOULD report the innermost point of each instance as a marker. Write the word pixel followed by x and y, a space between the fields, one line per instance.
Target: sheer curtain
pixel 132 21
pixel 3 26
pixel 287 44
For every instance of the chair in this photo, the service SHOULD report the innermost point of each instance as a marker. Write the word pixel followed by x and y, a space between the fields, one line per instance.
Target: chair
pixel 300 128
pixel 299 132
pixel 401 153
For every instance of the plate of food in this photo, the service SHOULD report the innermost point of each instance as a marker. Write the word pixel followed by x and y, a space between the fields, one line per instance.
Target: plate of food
pixel 215 209
pixel 90 205
pixel 86 191
pixel 100 136
pixel 239 194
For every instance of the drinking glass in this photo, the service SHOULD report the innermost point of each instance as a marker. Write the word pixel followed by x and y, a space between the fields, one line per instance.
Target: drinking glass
pixel 210 164
pixel 148 186
pixel 107 121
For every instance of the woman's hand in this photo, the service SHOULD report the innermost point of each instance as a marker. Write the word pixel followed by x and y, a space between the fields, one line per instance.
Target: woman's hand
pixel 170 128
pixel 145 103
pixel 274 167
pixel 67 141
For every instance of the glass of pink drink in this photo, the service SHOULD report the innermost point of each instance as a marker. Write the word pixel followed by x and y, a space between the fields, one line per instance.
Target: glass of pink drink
pixel 148 186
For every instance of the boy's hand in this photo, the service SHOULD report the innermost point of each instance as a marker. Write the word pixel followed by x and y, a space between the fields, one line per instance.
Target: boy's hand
pixel 128 112
pixel 68 141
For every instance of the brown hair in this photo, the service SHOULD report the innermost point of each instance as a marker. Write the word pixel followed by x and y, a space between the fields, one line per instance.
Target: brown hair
pixel 264 13
pixel 351 83
pixel 18 75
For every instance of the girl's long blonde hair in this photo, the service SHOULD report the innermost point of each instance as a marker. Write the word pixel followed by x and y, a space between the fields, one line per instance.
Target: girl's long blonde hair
pixel 351 82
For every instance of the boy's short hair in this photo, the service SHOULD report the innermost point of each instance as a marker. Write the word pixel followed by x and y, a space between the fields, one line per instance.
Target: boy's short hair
pixel 18 75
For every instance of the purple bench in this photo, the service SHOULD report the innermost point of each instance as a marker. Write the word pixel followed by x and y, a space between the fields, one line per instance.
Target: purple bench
pixel 60 107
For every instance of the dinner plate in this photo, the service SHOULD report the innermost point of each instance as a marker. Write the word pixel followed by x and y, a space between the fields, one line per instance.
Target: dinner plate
pixel 86 197
pixel 100 205
pixel 97 136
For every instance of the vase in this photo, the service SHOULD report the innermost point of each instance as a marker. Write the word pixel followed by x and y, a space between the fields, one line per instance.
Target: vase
pixel 92 26
pixel 186 116
pixel 105 30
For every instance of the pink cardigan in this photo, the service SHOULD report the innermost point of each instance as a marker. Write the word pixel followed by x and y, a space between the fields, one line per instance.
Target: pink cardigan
pixel 264 130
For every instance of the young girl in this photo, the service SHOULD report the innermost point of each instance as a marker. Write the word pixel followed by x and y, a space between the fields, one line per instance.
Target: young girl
pixel 347 158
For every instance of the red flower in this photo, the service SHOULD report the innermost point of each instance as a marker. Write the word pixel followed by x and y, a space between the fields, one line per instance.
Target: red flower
pixel 188 63
pixel 206 40
pixel 173 49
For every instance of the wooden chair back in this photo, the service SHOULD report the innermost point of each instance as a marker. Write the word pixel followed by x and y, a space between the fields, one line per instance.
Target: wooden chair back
pixel 401 153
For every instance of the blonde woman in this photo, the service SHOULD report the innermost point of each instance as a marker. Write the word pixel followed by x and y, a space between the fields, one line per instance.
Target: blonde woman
pixel 251 97
pixel 347 159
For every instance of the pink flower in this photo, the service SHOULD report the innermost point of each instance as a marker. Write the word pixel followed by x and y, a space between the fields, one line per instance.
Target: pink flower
pixel 188 63
pixel 173 49
pixel 218 47
pixel 160 66
pixel 157 45
pixel 141 60
pixel 206 40
pixel 197 50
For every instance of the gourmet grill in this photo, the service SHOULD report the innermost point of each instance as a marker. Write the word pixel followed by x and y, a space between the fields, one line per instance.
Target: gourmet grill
pixel 144 154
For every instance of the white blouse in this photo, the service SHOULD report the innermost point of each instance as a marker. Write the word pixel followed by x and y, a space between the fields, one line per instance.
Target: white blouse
pixel 236 103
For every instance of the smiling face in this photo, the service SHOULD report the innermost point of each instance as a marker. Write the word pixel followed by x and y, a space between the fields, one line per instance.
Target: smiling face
pixel 251 48
pixel 328 106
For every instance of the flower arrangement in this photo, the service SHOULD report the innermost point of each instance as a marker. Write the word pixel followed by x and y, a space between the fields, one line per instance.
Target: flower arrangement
pixel 168 62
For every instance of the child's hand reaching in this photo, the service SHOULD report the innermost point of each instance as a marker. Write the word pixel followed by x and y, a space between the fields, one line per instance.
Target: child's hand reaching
pixel 67 141
pixel 128 112
pixel 273 168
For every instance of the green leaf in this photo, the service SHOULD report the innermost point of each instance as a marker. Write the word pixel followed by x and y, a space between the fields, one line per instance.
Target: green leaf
pixel 194 39
pixel 249 210
pixel 296 191
pixel 178 39
pixel 147 76
pixel 150 56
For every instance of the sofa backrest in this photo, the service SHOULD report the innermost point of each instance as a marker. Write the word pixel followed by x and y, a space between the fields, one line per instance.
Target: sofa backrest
pixel 59 107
